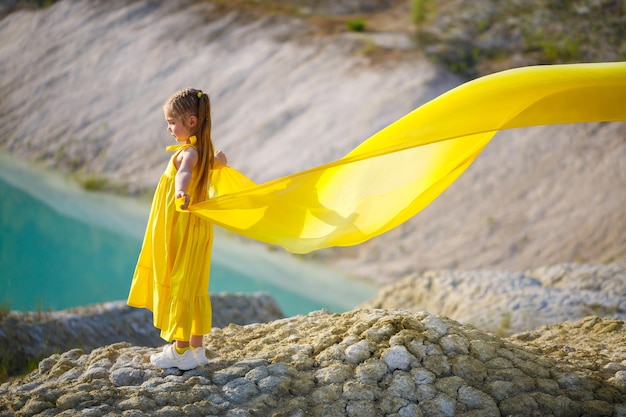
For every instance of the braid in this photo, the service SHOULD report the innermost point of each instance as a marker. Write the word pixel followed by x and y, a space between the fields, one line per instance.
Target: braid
pixel 187 102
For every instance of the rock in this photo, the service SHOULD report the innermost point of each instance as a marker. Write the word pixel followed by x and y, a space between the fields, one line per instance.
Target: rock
pixel 27 337
pixel 397 357
pixel 592 342
pixel 242 309
pixel 290 367
pixel 506 303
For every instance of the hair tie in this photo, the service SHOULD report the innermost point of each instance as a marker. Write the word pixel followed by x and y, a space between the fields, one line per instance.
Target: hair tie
pixel 199 94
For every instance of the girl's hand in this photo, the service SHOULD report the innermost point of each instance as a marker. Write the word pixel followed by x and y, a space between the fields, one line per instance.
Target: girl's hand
pixel 220 159
pixel 182 194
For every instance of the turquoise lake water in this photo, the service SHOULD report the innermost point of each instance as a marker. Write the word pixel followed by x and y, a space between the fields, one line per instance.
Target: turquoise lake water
pixel 62 247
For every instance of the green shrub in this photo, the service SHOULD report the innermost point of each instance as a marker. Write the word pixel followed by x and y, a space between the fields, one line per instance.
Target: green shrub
pixel 355 25
pixel 95 183
pixel 419 10
pixel 562 51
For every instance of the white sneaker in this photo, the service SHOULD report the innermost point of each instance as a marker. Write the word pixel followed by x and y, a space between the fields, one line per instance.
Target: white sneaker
pixel 169 358
pixel 200 354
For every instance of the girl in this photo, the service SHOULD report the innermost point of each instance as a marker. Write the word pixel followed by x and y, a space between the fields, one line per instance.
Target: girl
pixel 172 274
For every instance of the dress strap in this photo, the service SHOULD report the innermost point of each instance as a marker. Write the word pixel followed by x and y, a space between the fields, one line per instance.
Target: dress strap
pixel 190 144
pixel 173 148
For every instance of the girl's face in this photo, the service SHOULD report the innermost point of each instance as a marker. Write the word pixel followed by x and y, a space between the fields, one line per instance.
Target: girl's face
pixel 177 127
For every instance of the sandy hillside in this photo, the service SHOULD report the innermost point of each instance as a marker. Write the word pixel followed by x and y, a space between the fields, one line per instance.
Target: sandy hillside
pixel 82 85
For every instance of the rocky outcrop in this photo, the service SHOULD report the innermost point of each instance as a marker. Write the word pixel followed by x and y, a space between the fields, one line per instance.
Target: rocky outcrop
pixel 25 338
pixel 360 363
pixel 506 303
pixel 590 343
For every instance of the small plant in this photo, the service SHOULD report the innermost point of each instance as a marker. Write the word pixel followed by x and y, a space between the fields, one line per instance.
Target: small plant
pixel 355 25
pixel 40 310
pixel 95 183
pixel 13 362
pixel 565 50
pixel 369 46
pixel 32 365
pixel 5 309
pixel 505 324
pixel 419 10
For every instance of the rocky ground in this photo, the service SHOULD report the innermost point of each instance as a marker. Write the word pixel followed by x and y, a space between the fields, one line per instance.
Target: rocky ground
pixel 27 337
pixel 368 362
pixel 360 363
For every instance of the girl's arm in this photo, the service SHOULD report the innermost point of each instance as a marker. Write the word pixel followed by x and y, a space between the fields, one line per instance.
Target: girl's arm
pixel 188 160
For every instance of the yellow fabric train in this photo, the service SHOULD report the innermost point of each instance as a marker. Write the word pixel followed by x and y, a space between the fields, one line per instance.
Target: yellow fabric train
pixel 394 174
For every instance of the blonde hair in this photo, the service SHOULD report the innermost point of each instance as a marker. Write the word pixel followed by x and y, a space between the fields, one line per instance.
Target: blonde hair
pixel 191 102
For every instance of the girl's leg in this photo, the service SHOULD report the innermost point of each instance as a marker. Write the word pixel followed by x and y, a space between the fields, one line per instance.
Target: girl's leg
pixel 198 350
pixel 195 341
pixel 182 344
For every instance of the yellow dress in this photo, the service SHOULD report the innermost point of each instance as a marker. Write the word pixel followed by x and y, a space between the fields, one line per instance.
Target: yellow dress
pixel 172 274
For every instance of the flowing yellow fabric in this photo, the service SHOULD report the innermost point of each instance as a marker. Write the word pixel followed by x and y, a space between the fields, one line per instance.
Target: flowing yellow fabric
pixel 397 172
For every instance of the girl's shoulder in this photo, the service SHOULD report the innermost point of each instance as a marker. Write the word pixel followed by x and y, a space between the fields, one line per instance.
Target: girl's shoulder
pixel 189 150
pixel 188 156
